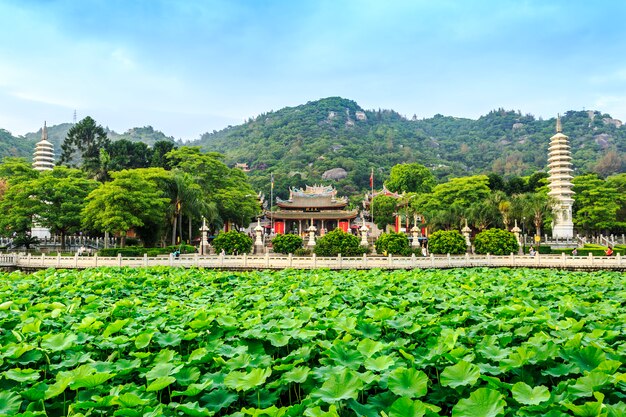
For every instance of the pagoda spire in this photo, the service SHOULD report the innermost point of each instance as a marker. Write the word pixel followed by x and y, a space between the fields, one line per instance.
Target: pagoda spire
pixel 44 132
pixel 559 129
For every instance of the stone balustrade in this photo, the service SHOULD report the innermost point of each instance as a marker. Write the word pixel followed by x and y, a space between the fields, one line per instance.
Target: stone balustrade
pixel 244 262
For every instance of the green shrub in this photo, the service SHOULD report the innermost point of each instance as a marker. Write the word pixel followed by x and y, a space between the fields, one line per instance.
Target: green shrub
pixel 496 242
pixel 137 251
pixel 232 242
pixel 288 243
pixel 339 242
pixel 302 252
pixel 447 241
pixel 393 244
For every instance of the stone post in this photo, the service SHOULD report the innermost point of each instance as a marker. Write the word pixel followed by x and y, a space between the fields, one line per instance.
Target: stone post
pixel 204 241
pixel 312 229
pixel 258 243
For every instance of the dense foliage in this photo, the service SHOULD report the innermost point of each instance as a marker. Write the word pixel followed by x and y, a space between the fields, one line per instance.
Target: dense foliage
pixel 298 144
pixel 496 242
pixel 393 244
pixel 447 241
pixel 232 242
pixel 172 342
pixel 287 243
pixel 338 242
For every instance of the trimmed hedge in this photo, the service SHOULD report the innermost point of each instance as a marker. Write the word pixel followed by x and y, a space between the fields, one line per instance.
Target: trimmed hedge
pixel 233 242
pixel 442 242
pixel 393 243
pixel 339 242
pixel 137 251
pixel 496 242
pixel 287 243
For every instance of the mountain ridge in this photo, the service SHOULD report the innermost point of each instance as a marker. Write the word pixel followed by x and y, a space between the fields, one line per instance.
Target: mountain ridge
pixel 299 144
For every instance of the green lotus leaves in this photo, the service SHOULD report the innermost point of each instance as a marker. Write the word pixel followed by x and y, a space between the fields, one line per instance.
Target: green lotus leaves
pixel 10 403
pixel 184 342
pixel 339 386
pixel 463 373
pixel 484 402
pixel 406 407
pixel 525 394
pixel 160 383
pixel 22 375
pixel 58 342
pixel 408 382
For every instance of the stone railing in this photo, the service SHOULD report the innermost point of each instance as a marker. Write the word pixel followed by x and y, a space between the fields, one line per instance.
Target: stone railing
pixel 313 262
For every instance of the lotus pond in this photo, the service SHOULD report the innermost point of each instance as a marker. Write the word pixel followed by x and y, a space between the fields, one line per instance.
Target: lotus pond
pixel 176 342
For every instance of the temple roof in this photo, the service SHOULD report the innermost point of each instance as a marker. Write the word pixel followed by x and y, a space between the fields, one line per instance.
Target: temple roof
pixel 317 196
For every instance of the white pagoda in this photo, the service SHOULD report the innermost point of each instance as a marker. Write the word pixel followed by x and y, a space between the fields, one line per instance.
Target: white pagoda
pixel 560 184
pixel 43 158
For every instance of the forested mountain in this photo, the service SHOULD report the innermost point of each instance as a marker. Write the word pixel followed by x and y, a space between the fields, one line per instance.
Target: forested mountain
pixel 24 146
pixel 299 144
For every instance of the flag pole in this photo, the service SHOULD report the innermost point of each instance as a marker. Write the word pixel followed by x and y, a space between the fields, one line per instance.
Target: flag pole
pixel 271 203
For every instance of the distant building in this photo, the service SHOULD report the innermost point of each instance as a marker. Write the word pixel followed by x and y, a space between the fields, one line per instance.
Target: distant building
pixel 318 204
pixel 43 158
pixel 242 166
pixel 560 185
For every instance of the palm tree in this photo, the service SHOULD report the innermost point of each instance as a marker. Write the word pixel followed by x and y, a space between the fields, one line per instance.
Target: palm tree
pixel 536 206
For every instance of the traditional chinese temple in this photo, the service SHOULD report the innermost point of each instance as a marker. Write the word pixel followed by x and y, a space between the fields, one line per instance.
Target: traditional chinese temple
pixel 318 204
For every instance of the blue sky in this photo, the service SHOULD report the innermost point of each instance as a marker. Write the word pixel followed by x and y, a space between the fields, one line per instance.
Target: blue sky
pixel 191 66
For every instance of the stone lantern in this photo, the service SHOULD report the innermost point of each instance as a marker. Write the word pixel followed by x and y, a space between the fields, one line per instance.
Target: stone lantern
pixel 364 231
pixel 415 231
pixel 204 242
pixel 312 229
pixel 258 243
pixel 516 231
pixel 466 232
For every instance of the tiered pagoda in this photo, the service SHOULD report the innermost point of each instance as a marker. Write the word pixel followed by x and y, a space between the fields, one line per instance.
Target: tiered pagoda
pixel 43 158
pixel 318 204
pixel 560 170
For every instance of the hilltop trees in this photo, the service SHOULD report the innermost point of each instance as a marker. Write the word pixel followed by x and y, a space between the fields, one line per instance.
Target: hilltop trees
pixel 82 144
pixel 405 178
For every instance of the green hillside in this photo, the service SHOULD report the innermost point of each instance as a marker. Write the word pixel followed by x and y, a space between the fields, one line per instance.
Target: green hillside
pixel 299 144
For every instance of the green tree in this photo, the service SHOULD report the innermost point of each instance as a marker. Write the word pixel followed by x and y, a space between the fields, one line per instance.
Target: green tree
pixel 59 198
pixel 85 138
pixel 496 242
pixel 131 200
pixel 536 206
pixel 158 158
pixel 596 204
pixel 462 191
pixel 338 242
pixel 17 206
pixel 287 243
pixel 232 243
pixel 383 209
pixel 410 178
pixel 125 154
pixel 447 241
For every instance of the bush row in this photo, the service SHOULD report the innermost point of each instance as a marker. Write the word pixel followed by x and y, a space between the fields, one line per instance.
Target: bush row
pixel 136 251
